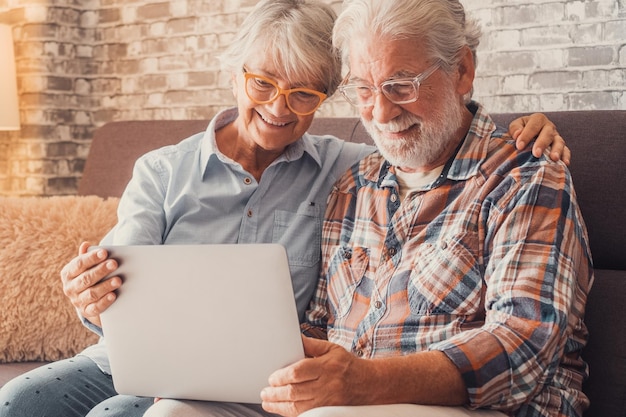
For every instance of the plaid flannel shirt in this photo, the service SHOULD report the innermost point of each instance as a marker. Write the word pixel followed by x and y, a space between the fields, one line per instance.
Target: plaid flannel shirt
pixel 490 265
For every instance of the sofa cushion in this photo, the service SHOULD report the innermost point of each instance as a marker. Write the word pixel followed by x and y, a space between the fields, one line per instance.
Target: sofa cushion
pixel 38 235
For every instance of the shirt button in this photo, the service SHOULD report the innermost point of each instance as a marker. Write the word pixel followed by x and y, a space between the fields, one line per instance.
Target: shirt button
pixel 392 251
pixel 394 198
pixel 249 213
pixel 247 181
pixel 443 245
pixel 359 353
pixel 378 304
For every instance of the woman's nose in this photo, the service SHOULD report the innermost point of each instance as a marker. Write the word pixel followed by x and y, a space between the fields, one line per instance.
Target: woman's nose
pixel 279 106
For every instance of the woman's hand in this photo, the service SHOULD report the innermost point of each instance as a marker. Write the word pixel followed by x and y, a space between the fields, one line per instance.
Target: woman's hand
pixel 537 125
pixel 83 282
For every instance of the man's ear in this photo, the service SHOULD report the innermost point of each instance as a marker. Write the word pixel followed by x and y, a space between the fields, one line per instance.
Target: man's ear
pixel 467 72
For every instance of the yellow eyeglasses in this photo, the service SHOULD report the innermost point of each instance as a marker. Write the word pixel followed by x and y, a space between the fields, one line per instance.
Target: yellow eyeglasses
pixel 263 90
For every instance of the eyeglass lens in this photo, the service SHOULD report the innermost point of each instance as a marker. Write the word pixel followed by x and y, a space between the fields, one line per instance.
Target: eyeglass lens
pixel 397 91
pixel 264 91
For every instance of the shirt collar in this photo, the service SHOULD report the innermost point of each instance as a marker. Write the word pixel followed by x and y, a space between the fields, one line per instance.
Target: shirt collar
pixel 475 147
pixel 209 148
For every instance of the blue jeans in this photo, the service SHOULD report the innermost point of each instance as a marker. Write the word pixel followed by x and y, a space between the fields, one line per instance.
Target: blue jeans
pixel 73 387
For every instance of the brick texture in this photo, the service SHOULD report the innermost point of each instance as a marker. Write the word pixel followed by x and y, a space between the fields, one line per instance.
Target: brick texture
pixel 551 55
pixel 84 63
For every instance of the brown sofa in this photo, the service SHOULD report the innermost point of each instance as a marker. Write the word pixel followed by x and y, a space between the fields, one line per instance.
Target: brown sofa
pixel 598 145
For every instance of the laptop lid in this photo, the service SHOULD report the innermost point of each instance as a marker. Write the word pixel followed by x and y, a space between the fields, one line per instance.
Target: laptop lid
pixel 201 322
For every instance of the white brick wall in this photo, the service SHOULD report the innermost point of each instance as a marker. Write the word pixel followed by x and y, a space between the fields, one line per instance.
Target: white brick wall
pixel 82 64
pixel 551 55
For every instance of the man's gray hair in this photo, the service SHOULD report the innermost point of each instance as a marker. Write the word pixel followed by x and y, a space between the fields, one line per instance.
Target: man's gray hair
pixel 441 24
pixel 296 37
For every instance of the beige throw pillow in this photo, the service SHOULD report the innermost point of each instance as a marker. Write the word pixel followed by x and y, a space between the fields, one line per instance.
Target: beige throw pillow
pixel 38 235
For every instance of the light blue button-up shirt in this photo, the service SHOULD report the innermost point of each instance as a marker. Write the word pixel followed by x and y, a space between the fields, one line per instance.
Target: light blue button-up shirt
pixel 192 193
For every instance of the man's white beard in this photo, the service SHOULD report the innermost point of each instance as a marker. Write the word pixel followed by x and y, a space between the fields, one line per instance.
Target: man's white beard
pixel 425 142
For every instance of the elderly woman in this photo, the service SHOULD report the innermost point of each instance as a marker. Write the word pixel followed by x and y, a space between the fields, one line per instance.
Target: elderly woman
pixel 254 175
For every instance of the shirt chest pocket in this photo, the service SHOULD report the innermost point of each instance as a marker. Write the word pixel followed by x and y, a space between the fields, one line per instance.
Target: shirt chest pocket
pixel 446 277
pixel 300 234
pixel 345 272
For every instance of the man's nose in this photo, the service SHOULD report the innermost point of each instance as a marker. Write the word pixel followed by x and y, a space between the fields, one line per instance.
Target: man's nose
pixel 384 110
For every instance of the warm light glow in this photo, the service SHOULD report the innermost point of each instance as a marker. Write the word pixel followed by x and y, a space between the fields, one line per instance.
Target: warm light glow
pixel 9 109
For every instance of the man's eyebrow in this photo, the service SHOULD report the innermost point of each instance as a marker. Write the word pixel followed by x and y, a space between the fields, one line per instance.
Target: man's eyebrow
pixel 403 74
pixel 396 76
pixel 352 79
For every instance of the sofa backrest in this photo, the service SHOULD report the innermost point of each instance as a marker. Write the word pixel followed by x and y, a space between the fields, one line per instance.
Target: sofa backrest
pixel 598 146
pixel 116 146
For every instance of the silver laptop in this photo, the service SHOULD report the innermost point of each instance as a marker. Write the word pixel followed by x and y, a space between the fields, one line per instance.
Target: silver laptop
pixel 201 322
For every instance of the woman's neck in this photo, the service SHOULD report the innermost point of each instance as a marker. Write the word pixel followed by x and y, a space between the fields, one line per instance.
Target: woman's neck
pixel 244 151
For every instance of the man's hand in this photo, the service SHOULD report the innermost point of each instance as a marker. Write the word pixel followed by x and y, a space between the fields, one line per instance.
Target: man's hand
pixel 83 285
pixel 332 376
pixel 526 128
pixel 328 376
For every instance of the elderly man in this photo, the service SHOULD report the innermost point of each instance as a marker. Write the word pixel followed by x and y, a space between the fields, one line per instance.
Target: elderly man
pixel 455 267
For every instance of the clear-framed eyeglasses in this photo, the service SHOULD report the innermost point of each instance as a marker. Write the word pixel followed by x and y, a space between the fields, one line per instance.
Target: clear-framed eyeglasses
pixel 263 90
pixel 398 91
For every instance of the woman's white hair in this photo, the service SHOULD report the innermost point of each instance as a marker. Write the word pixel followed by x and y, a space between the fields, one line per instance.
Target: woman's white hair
pixel 441 24
pixel 296 37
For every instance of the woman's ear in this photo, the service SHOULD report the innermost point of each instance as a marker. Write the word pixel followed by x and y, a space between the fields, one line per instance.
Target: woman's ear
pixel 467 72
pixel 233 81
